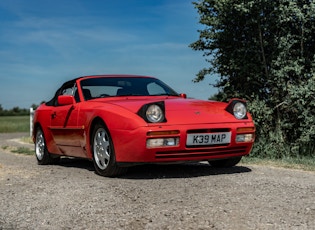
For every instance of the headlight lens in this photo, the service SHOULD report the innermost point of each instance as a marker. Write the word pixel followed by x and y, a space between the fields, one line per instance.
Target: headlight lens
pixel 239 110
pixel 154 114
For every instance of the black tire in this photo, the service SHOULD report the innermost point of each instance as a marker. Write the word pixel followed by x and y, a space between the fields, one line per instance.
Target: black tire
pixel 104 152
pixel 226 163
pixel 42 155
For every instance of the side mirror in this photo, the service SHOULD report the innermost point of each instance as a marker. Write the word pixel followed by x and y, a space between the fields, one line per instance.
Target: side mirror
pixel 183 95
pixel 66 100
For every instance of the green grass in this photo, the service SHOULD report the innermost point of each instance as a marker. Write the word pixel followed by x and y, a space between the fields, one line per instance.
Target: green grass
pixel 301 163
pixel 23 150
pixel 12 124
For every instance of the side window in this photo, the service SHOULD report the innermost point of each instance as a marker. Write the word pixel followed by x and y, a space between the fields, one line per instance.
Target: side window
pixel 68 91
pixel 155 89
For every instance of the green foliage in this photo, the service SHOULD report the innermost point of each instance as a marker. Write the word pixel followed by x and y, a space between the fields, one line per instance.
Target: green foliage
pixel 263 51
pixel 16 111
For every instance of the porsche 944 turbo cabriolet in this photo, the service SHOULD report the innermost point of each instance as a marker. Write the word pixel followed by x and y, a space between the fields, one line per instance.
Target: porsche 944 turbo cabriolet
pixel 122 120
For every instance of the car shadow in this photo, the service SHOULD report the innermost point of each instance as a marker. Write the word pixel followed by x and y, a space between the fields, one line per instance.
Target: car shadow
pixel 161 171
pixel 185 170
pixel 70 162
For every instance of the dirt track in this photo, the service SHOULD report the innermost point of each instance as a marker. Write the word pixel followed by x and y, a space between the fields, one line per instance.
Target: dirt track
pixel 189 196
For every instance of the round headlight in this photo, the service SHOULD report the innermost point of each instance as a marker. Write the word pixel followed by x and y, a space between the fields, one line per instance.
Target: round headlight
pixel 239 110
pixel 154 114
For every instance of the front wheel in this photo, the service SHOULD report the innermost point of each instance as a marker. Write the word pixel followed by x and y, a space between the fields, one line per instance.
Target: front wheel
pixel 104 153
pixel 42 155
pixel 226 163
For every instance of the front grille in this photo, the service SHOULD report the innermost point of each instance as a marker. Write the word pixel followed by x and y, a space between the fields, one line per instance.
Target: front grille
pixel 200 153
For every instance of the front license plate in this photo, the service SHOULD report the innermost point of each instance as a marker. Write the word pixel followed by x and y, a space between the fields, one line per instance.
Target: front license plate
pixel 208 138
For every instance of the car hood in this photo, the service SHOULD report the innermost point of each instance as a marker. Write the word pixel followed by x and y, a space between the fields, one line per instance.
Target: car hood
pixel 190 111
pixel 183 111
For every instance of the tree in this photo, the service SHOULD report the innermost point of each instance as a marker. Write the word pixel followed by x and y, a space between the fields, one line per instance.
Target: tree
pixel 262 51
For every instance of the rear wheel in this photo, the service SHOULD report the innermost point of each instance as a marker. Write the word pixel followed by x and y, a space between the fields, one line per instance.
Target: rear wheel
pixel 104 153
pixel 226 163
pixel 42 155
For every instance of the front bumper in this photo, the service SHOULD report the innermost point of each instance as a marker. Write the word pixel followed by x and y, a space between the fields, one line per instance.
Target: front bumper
pixel 131 146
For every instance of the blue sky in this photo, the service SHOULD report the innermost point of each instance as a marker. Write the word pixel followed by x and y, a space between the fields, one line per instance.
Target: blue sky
pixel 44 43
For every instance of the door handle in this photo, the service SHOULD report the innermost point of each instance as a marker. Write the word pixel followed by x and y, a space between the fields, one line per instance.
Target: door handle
pixel 53 115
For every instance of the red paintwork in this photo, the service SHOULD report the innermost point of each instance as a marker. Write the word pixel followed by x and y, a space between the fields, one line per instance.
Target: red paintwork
pixel 67 128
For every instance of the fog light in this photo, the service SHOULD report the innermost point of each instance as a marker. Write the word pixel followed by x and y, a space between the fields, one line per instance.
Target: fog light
pixel 162 142
pixel 244 137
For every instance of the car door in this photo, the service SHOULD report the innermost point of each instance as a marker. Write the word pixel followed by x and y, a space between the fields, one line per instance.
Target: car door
pixel 64 127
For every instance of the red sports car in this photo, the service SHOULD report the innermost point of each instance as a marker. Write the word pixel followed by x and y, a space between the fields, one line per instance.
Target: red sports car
pixel 122 120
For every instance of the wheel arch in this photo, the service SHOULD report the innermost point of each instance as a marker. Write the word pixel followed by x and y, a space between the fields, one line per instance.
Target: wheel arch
pixel 96 120
pixel 112 169
pixel 35 127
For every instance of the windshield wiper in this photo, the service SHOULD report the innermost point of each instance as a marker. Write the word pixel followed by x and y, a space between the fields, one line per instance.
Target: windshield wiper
pixel 163 94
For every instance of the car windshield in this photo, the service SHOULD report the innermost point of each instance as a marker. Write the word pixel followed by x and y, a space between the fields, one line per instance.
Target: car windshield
pixel 125 86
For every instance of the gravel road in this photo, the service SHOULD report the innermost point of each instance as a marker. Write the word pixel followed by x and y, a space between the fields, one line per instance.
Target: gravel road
pixel 188 196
